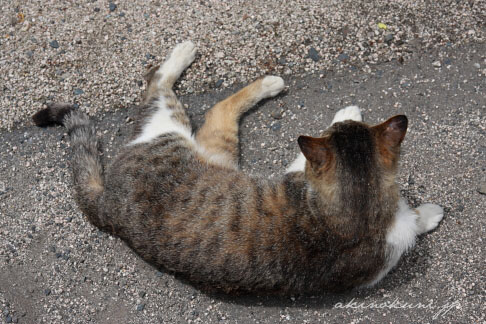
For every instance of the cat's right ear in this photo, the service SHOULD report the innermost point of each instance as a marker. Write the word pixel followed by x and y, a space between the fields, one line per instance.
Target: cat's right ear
pixel 315 150
pixel 392 132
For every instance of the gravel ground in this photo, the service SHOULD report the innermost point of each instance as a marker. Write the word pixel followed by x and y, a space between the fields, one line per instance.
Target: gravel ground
pixel 56 268
pixel 95 52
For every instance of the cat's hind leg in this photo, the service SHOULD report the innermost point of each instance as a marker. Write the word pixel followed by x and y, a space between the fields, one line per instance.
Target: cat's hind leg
pixel 218 137
pixel 162 112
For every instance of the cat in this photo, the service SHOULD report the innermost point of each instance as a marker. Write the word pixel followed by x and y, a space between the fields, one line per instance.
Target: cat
pixel 334 221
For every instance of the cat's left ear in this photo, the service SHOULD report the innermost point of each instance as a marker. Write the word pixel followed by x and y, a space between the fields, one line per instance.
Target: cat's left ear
pixel 315 150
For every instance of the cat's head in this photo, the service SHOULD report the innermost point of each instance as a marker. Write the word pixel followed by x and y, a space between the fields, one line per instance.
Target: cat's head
pixel 352 153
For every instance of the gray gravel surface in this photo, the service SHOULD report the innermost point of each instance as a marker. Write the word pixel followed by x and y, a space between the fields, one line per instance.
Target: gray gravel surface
pixel 95 52
pixel 57 268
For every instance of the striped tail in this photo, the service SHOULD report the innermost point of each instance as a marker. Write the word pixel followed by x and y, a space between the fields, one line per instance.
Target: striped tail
pixel 86 163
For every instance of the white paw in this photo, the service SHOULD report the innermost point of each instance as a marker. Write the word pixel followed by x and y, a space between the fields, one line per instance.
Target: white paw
pixel 271 86
pixel 183 54
pixel 429 217
pixel 350 112
pixel 181 57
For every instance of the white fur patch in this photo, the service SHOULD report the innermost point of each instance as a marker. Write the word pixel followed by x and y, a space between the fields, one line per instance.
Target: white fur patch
pixel 298 165
pixel 400 238
pixel 271 86
pixel 162 123
pixel 348 113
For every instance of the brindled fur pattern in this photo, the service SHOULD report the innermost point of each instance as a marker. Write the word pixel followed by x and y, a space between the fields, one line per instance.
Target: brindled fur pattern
pixel 333 221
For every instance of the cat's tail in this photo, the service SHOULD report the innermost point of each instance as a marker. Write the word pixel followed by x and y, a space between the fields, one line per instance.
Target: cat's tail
pixel 86 163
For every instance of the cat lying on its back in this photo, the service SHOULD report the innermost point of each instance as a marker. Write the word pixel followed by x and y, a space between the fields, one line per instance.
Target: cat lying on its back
pixel 334 221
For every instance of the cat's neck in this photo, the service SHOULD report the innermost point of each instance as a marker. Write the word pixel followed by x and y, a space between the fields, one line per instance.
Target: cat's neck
pixel 341 205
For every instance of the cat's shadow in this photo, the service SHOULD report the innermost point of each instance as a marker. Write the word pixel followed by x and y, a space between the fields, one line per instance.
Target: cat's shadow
pixel 411 266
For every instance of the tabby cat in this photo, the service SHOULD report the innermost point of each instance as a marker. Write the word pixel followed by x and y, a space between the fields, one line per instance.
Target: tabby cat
pixel 334 221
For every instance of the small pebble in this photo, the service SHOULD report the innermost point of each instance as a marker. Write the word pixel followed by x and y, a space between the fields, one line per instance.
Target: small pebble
pixel 313 54
pixel 482 188
pixel 54 44
pixel 78 92
pixel 343 57
pixel 276 126
pixel 282 61
pixel 47 292
pixel 388 38
pixel 276 114
pixel 411 180
pixel 140 307
pixel 112 6
pixel 218 83
pixel 436 64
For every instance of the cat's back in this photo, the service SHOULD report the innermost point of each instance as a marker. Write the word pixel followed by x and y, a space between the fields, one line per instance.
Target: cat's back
pixel 156 171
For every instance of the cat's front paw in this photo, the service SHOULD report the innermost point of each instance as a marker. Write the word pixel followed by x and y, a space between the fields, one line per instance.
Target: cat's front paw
pixel 183 55
pixel 430 216
pixel 348 113
pixel 271 86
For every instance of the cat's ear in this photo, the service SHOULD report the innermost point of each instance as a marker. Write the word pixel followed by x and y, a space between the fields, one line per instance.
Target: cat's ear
pixel 315 150
pixel 392 132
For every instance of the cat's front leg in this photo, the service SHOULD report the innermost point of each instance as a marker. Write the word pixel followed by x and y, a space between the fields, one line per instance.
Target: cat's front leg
pixel 407 224
pixel 429 216
pixel 400 237
pixel 348 113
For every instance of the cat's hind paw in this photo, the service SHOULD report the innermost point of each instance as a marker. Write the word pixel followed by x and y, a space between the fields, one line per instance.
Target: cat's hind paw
pixel 183 54
pixel 181 57
pixel 348 113
pixel 271 86
pixel 430 216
